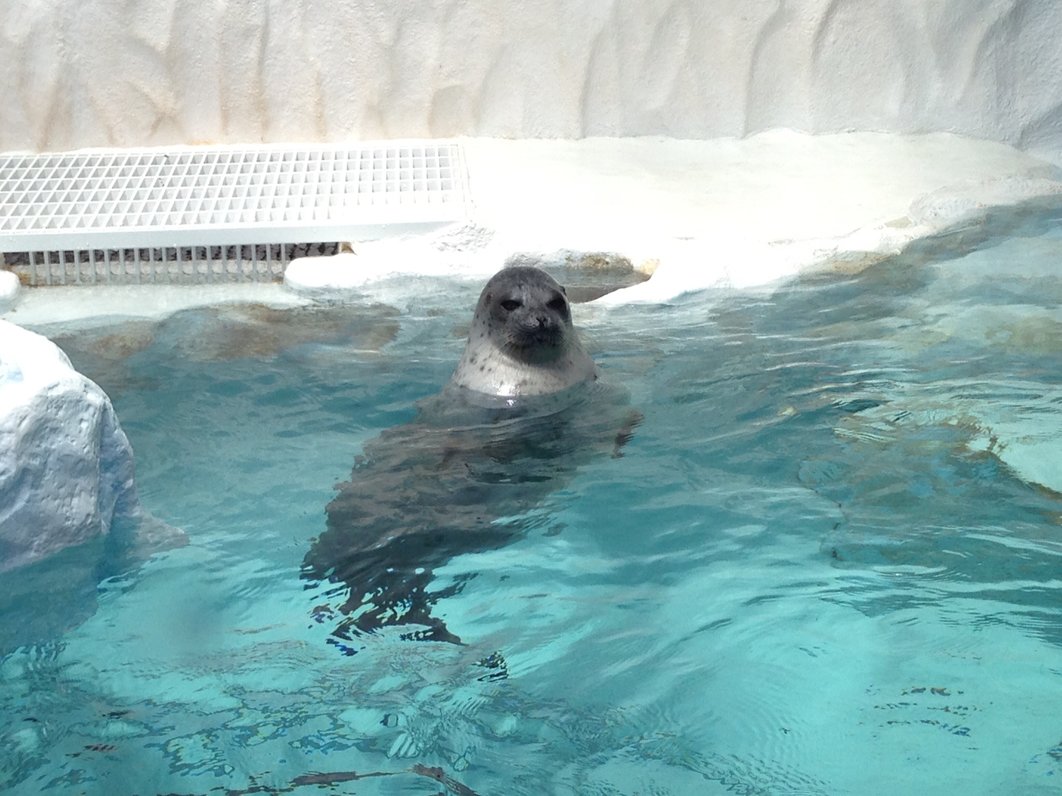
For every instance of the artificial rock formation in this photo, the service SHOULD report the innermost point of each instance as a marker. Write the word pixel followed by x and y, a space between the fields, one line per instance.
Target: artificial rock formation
pixel 66 466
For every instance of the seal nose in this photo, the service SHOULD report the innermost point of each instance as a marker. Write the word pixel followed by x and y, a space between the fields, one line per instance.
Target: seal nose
pixel 543 324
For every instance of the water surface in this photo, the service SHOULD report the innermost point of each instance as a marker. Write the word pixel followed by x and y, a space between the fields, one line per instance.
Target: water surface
pixel 827 563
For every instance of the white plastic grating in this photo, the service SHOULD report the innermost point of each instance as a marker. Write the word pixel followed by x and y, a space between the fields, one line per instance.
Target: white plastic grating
pixel 117 215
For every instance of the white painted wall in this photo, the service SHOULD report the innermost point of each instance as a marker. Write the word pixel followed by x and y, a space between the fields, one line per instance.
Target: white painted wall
pixel 124 72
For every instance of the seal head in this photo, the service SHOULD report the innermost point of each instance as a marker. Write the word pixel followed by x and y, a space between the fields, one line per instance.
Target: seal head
pixel 522 341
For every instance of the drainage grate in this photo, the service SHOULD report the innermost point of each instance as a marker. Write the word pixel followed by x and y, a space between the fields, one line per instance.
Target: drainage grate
pixel 198 214
pixel 166 265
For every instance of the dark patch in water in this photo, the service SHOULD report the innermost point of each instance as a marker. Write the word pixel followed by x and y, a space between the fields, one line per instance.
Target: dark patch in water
pixel 456 480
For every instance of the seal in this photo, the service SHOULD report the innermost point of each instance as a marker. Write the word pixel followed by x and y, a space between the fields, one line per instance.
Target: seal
pixel 523 411
pixel 522 341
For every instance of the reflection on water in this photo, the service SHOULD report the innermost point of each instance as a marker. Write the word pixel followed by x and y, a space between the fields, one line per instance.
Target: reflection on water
pixel 827 562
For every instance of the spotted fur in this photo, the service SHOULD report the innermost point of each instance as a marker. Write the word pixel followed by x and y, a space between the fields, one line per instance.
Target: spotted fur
pixel 522 341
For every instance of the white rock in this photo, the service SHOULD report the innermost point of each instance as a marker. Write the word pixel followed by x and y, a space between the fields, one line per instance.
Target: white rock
pixel 464 250
pixel 337 273
pixel 9 287
pixel 66 467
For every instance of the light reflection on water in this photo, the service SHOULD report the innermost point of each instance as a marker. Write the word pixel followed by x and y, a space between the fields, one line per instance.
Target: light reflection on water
pixel 824 564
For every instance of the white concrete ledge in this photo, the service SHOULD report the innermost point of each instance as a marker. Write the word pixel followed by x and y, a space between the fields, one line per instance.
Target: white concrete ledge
pixel 9 288
pixel 729 213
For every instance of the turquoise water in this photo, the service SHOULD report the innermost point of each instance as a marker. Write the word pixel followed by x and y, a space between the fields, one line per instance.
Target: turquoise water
pixel 828 562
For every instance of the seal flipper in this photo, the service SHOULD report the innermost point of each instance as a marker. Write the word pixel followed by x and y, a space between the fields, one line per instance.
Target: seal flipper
pixel 403 599
pixel 626 433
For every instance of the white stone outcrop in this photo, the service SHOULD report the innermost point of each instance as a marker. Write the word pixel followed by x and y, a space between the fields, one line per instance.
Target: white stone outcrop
pixel 9 288
pixel 66 466
pixel 99 73
pixel 726 213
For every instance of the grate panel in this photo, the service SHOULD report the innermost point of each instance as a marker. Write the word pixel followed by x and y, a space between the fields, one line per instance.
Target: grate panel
pixel 168 265
pixel 76 203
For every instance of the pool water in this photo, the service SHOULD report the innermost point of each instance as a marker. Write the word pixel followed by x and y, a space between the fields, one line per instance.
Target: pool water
pixel 828 561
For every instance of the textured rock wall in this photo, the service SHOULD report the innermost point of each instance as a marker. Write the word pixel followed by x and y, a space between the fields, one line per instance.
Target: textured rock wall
pixel 122 72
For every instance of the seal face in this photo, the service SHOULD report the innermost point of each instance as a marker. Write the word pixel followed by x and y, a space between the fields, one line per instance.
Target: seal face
pixel 522 341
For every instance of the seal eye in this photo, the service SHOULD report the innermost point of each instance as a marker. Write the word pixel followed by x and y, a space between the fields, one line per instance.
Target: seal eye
pixel 509 304
pixel 558 305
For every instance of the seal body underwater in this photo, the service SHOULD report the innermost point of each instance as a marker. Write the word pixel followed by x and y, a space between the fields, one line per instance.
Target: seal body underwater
pixel 521 413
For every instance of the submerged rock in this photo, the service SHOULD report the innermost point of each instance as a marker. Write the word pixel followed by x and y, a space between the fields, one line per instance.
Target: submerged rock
pixel 66 466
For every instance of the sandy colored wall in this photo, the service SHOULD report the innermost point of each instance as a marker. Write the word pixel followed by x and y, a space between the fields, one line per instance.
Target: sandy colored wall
pixel 127 72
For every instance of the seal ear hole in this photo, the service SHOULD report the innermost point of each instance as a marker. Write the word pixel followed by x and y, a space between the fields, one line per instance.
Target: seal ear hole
pixel 509 304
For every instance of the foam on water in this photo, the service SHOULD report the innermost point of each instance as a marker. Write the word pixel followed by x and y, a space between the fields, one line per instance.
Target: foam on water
pixel 825 563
